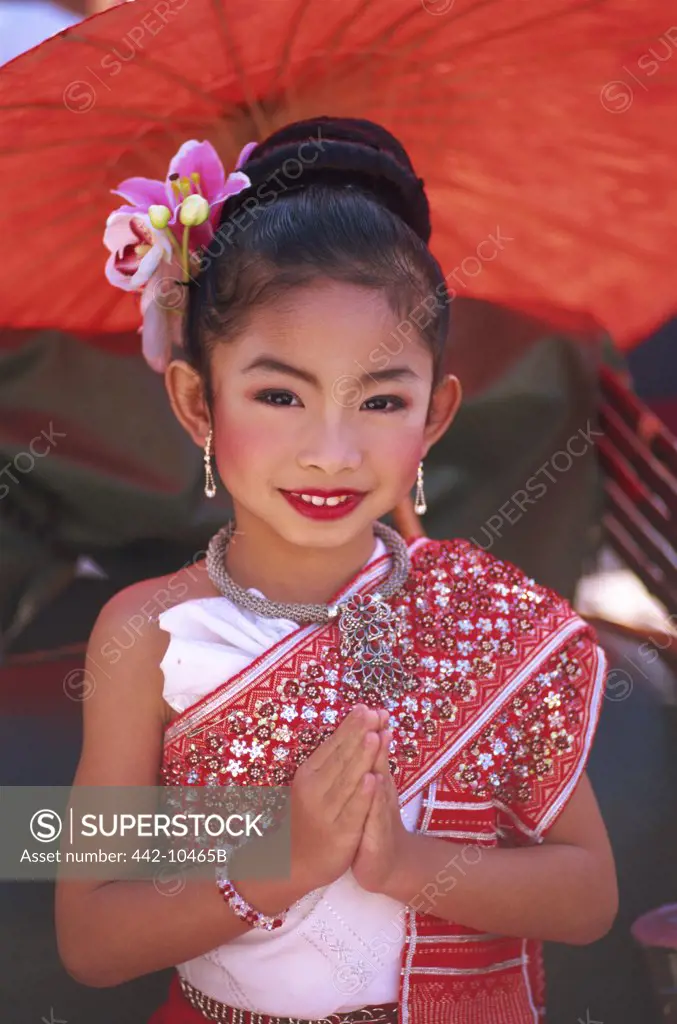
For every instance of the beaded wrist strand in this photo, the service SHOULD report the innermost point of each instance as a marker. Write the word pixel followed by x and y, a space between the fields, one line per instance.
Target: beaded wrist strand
pixel 245 911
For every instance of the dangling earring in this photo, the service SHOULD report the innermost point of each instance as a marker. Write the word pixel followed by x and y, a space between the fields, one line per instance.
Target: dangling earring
pixel 420 507
pixel 210 486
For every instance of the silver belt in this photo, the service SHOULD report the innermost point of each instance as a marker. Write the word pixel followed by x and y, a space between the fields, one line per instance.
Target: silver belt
pixel 212 1009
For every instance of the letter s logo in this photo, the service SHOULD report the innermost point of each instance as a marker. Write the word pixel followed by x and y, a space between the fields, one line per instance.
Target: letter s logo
pixel 46 826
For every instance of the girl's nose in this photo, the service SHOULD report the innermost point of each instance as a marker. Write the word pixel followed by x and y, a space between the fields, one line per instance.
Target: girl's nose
pixel 332 450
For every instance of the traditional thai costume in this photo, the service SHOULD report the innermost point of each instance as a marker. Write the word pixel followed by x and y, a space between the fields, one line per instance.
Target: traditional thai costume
pixel 492 727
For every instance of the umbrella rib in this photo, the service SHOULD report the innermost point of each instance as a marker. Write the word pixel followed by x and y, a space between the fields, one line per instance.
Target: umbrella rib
pixel 343 27
pixel 413 44
pixel 289 46
pixel 537 19
pixel 68 143
pixel 146 147
pixel 255 110
pixel 433 30
pixel 254 107
pixel 333 45
pixel 112 111
pixel 90 190
pixel 40 147
pixel 162 70
pixel 58 246
pixel 547 231
pixel 370 66
pixel 115 297
pixel 505 269
pixel 592 236
pixel 105 309
pixel 382 39
pixel 85 195
pixel 108 308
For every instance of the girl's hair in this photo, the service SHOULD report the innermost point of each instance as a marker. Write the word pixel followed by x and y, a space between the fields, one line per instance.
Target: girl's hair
pixel 330 198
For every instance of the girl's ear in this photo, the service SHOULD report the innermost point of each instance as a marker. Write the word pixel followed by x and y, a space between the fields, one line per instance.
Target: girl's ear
pixel 187 399
pixel 444 404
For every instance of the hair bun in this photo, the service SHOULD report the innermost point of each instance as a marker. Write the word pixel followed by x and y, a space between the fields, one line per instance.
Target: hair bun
pixel 347 151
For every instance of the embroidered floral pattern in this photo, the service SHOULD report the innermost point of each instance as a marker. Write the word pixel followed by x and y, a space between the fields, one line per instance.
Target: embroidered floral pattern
pixel 466 622
pixel 523 742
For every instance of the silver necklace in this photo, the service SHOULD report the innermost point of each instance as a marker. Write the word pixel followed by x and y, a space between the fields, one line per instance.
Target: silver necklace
pixel 368 629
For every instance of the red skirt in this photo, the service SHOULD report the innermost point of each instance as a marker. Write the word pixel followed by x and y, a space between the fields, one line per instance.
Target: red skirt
pixel 177 1009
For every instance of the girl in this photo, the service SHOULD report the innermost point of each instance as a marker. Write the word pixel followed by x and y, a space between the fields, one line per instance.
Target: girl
pixel 431 708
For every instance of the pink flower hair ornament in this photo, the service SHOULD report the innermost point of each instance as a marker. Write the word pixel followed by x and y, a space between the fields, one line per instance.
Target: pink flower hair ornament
pixel 155 241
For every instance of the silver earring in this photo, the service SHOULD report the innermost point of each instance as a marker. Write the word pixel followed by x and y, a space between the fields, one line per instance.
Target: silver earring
pixel 420 507
pixel 210 486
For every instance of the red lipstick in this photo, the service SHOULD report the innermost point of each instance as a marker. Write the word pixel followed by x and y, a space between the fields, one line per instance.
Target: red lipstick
pixel 337 511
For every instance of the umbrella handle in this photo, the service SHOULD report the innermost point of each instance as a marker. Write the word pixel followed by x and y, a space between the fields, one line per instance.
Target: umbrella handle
pixel 407 523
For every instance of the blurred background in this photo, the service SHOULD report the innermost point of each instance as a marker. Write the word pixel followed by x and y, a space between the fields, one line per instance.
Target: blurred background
pixel 120 498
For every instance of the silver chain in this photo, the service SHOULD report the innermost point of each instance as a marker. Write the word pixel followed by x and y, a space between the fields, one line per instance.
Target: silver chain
pixel 216 569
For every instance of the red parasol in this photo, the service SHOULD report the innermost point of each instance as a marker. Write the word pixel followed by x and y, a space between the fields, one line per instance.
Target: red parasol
pixel 543 132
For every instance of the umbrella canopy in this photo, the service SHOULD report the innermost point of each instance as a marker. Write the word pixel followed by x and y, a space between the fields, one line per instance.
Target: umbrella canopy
pixel 543 133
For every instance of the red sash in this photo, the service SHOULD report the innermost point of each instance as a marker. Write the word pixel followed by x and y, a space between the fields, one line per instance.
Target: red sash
pixel 495 726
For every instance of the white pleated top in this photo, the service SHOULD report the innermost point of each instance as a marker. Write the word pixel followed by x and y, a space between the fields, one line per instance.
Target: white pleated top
pixel 340 946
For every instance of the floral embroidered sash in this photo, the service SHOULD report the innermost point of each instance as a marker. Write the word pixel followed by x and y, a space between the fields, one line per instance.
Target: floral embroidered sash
pixel 495 722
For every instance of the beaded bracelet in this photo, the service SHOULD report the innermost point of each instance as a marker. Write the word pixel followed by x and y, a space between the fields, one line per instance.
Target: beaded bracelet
pixel 245 911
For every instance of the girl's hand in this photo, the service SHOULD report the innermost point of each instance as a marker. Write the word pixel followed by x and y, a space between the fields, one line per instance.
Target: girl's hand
pixel 331 794
pixel 381 849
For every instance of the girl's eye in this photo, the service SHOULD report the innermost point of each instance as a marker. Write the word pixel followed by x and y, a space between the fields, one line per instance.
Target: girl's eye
pixel 397 403
pixel 284 399
pixel 274 396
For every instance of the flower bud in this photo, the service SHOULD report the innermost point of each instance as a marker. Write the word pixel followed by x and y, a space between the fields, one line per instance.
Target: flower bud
pixel 194 211
pixel 159 216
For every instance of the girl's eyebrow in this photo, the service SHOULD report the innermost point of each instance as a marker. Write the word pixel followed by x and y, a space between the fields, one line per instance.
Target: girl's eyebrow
pixel 265 362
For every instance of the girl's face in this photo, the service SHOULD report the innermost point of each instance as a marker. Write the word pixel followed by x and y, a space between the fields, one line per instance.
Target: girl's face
pixel 321 392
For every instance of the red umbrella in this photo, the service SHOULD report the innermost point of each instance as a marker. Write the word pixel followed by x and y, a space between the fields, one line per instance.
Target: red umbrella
pixel 543 132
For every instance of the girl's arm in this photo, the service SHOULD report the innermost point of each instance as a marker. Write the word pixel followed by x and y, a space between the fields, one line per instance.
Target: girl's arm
pixel 111 932
pixel 561 891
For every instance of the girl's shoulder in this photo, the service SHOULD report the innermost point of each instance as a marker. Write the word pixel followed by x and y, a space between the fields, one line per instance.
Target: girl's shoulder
pixel 124 713
pixel 139 605
pixel 127 637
